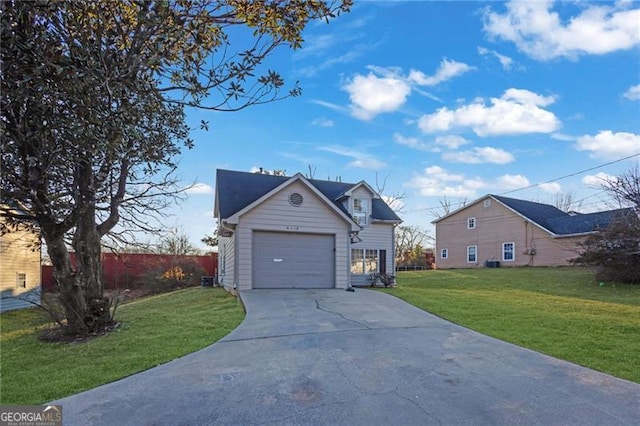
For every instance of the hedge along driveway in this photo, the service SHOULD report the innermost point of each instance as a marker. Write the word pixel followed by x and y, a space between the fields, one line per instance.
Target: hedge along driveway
pixel 153 331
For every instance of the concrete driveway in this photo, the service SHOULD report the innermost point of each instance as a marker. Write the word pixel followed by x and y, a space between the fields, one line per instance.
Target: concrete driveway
pixel 362 358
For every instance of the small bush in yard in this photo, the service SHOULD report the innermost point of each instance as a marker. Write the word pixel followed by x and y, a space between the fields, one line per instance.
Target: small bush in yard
pixel 615 251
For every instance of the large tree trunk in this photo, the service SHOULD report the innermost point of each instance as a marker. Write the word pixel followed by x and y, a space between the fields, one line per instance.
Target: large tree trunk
pixel 71 294
pixel 87 246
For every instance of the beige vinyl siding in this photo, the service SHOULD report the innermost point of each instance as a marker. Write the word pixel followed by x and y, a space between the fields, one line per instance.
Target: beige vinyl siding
pixel 18 257
pixel 278 215
pixel 494 226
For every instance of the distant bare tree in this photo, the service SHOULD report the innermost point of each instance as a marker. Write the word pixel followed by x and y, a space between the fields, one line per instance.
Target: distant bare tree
pixel 566 202
pixel 408 238
pixel 447 206
pixel 625 188
pixel 394 199
pixel 177 245
pixel 311 174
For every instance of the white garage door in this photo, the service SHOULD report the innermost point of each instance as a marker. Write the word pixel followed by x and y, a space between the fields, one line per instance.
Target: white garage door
pixel 286 260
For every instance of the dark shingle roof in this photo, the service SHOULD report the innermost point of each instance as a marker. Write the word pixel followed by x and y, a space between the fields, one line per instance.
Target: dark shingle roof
pixel 557 221
pixel 236 190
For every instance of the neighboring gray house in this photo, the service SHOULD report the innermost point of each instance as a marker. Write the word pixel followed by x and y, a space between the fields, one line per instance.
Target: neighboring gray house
pixel 294 232
pixel 500 231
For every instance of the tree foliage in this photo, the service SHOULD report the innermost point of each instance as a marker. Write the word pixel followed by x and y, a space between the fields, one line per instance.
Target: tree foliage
pixel 92 112
pixel 615 250
pixel 409 243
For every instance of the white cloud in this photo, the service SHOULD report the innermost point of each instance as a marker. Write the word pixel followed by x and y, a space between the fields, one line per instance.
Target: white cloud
pixel 329 105
pixel 562 137
pixel 633 93
pixel 437 182
pixel 322 122
pixel 361 159
pixel 505 61
pixel 371 95
pixel 512 181
pixel 385 89
pixel 597 180
pixel 551 188
pixel 447 70
pixel 451 141
pixel 479 155
pixel 199 188
pixel 607 144
pixel 542 34
pixel 517 111
pixel 411 142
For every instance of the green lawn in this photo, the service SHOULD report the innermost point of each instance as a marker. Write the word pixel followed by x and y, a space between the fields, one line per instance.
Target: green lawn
pixel 154 330
pixel 561 312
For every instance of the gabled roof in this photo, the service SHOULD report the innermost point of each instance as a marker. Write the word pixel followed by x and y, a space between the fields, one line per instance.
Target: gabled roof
pixel 552 219
pixel 237 190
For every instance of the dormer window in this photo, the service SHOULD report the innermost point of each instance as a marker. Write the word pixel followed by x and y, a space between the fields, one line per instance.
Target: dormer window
pixel 360 211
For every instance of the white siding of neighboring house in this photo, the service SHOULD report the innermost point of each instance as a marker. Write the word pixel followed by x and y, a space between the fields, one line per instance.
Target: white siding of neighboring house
pixel 226 261
pixel 496 225
pixel 18 257
pixel 277 214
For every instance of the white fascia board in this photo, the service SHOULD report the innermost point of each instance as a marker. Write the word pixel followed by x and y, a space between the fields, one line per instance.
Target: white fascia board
pixel 360 184
pixel 235 218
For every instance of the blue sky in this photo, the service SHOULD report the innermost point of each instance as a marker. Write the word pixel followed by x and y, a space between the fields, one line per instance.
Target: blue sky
pixel 442 99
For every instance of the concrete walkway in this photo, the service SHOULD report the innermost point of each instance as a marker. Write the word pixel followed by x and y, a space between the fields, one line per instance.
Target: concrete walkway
pixel 363 358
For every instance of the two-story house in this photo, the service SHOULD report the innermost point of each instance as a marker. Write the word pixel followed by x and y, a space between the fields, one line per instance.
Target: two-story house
pixel 294 232
pixel 501 231
pixel 19 263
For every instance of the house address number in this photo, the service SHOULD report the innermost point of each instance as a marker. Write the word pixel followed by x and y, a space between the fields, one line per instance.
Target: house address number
pixel 292 228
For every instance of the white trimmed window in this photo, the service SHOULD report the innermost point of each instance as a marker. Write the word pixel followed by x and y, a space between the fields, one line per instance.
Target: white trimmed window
pixel 364 261
pixel 21 280
pixel 360 211
pixel 472 254
pixel 444 253
pixel 471 223
pixel 508 252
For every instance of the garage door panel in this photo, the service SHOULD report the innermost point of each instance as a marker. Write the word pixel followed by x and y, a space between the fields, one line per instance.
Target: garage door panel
pixel 287 260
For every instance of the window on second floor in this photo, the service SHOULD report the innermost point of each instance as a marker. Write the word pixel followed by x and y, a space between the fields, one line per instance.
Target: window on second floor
pixel 472 254
pixel 360 211
pixel 508 252
pixel 444 253
pixel 471 223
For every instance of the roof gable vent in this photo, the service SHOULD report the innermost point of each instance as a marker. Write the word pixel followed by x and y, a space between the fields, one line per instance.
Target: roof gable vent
pixel 296 199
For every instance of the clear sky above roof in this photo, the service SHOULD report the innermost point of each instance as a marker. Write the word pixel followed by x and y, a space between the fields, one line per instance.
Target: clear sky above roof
pixel 436 99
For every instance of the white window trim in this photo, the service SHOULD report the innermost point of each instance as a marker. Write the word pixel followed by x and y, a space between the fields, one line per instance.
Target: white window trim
pixel 476 254
pixel 513 252
pixel 471 223
pixel 364 260
pixel 361 216
pixel 21 280
pixel 444 253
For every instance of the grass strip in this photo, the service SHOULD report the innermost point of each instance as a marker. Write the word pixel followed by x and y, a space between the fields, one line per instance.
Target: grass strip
pixel 153 331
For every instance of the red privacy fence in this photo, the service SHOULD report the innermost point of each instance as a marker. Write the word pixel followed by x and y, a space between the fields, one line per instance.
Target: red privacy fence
pixel 124 270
